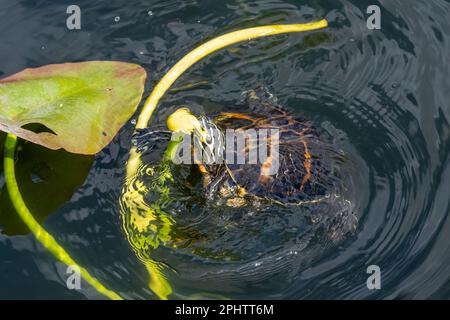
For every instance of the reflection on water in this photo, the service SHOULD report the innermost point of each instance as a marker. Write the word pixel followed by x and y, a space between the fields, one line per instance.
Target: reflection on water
pixel 381 95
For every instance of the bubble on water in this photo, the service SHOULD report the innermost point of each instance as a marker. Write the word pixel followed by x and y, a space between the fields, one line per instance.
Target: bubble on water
pixel 150 13
pixel 257 264
pixel 117 19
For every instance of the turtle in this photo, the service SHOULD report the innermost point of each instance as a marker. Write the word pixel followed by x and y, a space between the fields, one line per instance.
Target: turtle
pixel 306 172
pixel 307 175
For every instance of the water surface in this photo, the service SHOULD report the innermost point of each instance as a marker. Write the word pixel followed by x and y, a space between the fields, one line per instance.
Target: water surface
pixel 381 95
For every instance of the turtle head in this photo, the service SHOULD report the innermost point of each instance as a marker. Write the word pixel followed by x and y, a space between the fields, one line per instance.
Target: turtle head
pixel 182 120
pixel 203 128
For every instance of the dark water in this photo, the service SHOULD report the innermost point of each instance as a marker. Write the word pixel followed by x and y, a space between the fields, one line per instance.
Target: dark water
pixel 381 95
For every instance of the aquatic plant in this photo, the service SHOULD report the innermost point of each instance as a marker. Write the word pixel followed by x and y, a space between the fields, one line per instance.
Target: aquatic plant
pixel 81 107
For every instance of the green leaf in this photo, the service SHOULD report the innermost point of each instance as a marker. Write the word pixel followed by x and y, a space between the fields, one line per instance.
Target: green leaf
pixel 81 106
pixel 47 179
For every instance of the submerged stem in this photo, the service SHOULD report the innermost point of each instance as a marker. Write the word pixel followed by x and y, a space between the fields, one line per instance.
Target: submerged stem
pixel 39 232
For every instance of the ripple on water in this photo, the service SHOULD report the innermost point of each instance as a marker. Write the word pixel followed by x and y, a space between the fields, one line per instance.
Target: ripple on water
pixel 380 95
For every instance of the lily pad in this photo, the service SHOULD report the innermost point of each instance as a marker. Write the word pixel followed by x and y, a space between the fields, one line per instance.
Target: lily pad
pixel 81 105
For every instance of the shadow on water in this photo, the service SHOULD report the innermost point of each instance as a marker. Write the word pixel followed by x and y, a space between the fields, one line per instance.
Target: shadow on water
pixel 48 179
pixel 380 95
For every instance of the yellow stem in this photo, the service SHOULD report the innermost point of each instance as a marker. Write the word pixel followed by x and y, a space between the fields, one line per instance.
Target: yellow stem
pixel 39 232
pixel 160 285
pixel 212 46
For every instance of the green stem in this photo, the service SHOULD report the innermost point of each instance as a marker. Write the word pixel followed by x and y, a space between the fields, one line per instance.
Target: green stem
pixel 39 232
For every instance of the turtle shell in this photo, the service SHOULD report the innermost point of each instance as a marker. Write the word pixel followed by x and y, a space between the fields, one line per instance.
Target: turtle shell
pixel 298 169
